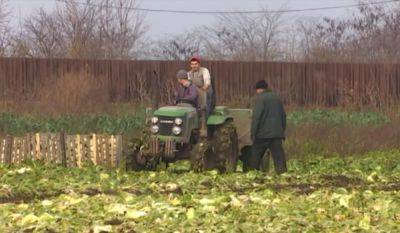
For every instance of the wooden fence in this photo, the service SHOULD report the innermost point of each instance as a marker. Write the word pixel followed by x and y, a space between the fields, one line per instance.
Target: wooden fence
pixel 327 84
pixel 67 150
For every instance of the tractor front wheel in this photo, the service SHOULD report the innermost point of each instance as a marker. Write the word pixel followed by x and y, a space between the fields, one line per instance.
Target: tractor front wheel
pixel 138 160
pixel 138 154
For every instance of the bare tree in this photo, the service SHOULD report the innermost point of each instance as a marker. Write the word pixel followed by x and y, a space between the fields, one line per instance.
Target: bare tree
pixel 121 28
pixel 290 41
pixel 308 40
pixel 43 35
pixel 243 37
pixel 178 47
pixel 78 23
pixel 96 29
pixel 325 40
pixel 4 20
pixel 372 34
pixel 377 33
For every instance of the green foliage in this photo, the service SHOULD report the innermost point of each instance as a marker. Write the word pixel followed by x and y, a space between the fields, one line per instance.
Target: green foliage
pixel 304 149
pixel 335 117
pixel 17 124
pixel 126 122
pixel 352 194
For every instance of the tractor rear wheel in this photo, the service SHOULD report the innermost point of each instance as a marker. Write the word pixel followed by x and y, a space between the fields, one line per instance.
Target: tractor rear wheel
pixel 226 144
pixel 220 152
pixel 199 155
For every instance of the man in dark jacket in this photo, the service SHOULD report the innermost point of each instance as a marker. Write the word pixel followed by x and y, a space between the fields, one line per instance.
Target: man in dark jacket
pixel 268 128
pixel 187 92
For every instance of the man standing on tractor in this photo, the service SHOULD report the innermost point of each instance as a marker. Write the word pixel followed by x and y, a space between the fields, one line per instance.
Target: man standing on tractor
pixel 187 92
pixel 200 77
pixel 268 128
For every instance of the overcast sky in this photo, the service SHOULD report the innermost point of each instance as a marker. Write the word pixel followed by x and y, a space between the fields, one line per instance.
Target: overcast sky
pixel 162 23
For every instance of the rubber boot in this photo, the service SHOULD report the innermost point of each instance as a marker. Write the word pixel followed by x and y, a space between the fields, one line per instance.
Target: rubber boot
pixel 203 125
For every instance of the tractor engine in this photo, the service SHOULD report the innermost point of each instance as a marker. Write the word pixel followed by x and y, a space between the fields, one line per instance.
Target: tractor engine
pixel 171 129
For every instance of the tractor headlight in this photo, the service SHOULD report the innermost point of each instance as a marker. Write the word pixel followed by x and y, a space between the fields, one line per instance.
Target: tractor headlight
pixel 178 121
pixel 154 129
pixel 177 130
pixel 154 120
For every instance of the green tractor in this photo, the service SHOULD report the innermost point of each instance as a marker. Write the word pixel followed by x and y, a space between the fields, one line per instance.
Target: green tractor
pixel 172 133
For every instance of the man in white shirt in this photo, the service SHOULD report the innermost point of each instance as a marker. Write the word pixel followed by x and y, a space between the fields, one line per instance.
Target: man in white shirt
pixel 200 77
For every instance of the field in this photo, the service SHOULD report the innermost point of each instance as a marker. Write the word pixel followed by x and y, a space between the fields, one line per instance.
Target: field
pixel 334 195
pixel 324 132
pixel 343 177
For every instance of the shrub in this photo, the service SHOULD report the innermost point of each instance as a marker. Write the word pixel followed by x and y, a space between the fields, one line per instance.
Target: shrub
pixel 74 93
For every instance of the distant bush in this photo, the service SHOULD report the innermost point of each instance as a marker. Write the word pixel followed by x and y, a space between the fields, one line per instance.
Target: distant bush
pixel 74 93
pixel 17 125
pixel 331 116
pixel 309 140
pixel 77 93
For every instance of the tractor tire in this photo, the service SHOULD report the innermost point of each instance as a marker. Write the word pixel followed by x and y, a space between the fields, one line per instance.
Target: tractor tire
pixel 138 160
pixel 199 156
pixel 221 152
pixel 138 156
pixel 226 147
pixel 132 154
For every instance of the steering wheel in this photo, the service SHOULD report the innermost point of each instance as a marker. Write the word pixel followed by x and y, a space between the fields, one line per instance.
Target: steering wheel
pixel 186 101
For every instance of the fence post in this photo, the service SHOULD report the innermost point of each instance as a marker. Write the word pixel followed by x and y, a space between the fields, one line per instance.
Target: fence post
pixel 38 154
pixel 78 151
pixel 155 89
pixel 63 149
pixel 8 155
pixel 93 150
pixel 118 152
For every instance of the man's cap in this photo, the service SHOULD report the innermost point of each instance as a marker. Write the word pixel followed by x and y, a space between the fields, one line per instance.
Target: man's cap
pixel 195 58
pixel 262 84
pixel 182 74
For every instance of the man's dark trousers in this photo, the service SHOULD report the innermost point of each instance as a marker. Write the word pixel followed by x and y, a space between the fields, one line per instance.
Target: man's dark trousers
pixel 259 148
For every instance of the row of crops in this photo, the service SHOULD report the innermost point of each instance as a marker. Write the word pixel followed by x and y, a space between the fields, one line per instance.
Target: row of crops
pixel 317 195
pixel 129 122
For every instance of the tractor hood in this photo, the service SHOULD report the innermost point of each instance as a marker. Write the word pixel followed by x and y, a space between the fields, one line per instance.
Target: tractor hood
pixel 173 111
